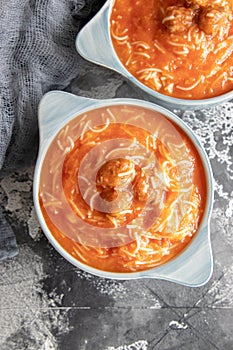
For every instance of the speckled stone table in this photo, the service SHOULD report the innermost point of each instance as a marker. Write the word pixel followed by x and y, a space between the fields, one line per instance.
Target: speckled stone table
pixel 46 303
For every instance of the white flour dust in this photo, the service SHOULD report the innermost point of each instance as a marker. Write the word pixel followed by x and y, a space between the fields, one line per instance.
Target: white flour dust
pixel 29 318
pixel 122 292
pixel 221 292
pixel 229 210
pixel 112 288
pixel 18 190
pixel 178 325
pixel 138 345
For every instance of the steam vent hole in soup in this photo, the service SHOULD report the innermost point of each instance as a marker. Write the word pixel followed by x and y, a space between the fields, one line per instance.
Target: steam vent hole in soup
pixel 122 188
pixel 178 48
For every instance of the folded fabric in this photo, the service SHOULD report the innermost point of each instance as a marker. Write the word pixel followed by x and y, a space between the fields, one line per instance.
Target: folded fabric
pixel 37 54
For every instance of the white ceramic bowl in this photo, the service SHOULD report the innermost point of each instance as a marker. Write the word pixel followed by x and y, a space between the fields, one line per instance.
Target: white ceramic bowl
pixel 94 44
pixel 193 266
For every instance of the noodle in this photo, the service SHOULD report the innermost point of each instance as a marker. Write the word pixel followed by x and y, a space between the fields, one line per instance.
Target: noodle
pixel 141 44
pixel 159 47
pixel 100 129
pixel 191 87
pixel 111 114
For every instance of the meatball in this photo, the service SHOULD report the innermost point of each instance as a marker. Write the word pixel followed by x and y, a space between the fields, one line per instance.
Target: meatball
pixel 115 174
pixel 108 194
pixel 178 18
pixel 214 21
pixel 120 174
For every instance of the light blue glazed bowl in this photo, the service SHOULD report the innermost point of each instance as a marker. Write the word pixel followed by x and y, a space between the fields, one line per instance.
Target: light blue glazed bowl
pixel 193 266
pixel 94 44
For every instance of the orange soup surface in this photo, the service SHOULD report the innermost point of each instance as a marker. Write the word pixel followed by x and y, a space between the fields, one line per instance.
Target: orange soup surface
pixel 122 188
pixel 178 48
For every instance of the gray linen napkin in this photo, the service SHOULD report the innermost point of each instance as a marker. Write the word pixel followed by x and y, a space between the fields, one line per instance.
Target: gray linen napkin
pixel 37 54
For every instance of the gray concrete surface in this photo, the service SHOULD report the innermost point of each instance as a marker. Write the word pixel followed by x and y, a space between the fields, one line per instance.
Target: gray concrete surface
pixel 47 304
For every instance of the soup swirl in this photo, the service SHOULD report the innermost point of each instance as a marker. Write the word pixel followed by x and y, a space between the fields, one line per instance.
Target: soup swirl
pixel 122 188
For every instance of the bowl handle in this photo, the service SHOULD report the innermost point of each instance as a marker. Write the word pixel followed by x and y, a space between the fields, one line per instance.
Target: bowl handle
pixel 193 267
pixel 56 108
pixel 93 42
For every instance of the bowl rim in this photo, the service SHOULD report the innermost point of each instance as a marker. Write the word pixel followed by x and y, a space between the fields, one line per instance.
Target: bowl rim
pixel 204 225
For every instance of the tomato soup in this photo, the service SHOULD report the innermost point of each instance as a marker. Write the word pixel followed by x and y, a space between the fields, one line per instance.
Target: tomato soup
pixel 178 48
pixel 122 188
